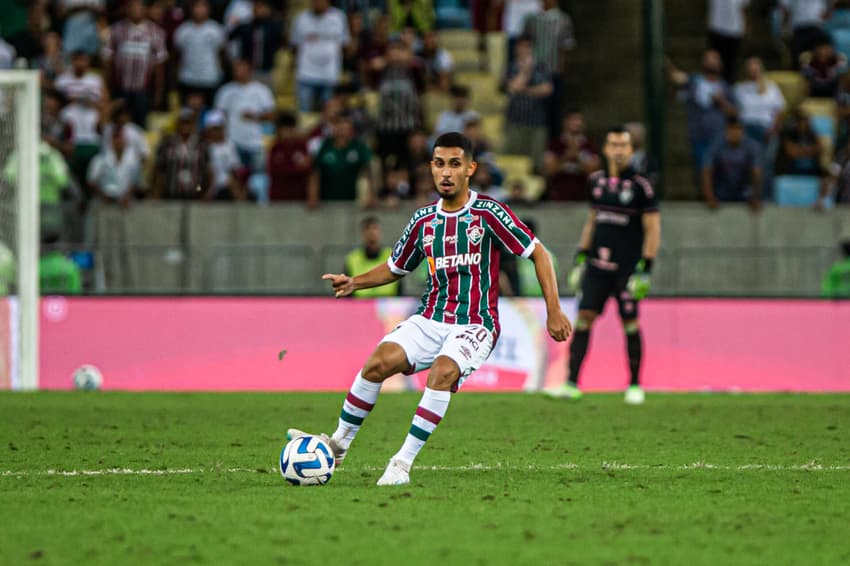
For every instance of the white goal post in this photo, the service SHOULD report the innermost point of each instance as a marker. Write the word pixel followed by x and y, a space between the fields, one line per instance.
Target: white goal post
pixel 20 101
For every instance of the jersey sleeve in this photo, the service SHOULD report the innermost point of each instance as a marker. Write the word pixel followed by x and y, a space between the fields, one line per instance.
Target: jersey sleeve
pixel 406 254
pixel 510 231
pixel 649 198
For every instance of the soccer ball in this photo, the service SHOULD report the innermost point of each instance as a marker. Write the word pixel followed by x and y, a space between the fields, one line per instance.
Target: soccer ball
pixel 87 377
pixel 307 460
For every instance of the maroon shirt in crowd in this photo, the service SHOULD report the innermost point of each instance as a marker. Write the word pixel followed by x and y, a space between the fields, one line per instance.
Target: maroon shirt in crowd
pixel 289 170
pixel 568 184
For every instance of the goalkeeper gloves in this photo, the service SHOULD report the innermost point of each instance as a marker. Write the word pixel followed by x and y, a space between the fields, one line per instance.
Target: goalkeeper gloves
pixel 639 282
pixel 577 271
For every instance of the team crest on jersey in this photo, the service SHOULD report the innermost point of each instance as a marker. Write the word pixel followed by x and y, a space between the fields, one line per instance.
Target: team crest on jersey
pixel 626 195
pixel 475 233
pixel 427 239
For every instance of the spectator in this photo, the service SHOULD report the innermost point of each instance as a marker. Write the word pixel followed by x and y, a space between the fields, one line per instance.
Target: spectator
pixel 399 111
pixel 169 16
pixel 513 23
pixel 732 170
pixel 258 41
pixel 246 103
pixel 760 103
pixel 369 256
pixel 79 82
pixel 727 25
pixel 79 24
pixel 417 14
pixel 54 130
pixel 823 72
pixel 195 101
pixel 455 119
pixel 200 45
pixel 324 129
pixel 482 148
pixel 642 163
pixel 51 62
pixel 569 160
pixel 806 20
pixel 372 51
pixel 346 95
pixel 115 174
pixel 841 171
pixel 134 136
pixel 134 60
pixel 483 182
pixel 438 63
pixel 552 33
pixel 708 103
pixel 7 55
pixel 237 13
pixel 28 41
pixel 57 274
pixel 228 173
pixel 836 283
pixel 289 162
pixel 318 36
pixel 801 152
pixel 338 165
pixel 182 169
pixel 528 85
pixel 82 119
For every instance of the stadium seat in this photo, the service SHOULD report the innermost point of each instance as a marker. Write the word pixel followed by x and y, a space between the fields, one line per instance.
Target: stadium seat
pixel 286 102
pixel 493 126
pixel 456 40
pixel 432 104
pixel 514 165
pixel 796 190
pixel 497 44
pixel 792 85
pixel 308 120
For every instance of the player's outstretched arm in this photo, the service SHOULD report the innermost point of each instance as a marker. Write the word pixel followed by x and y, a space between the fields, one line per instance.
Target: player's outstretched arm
pixel 344 285
pixel 557 323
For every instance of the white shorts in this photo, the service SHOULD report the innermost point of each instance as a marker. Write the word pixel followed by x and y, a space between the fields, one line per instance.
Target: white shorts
pixel 423 340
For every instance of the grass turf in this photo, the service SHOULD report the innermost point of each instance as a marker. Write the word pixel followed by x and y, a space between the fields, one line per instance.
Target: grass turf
pixel 505 479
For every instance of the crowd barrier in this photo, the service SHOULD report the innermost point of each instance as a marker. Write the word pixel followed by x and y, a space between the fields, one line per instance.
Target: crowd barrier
pixel 318 344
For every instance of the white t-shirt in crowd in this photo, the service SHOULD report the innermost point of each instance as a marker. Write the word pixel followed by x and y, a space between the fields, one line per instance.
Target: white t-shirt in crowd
pixel 805 12
pixel 515 12
pixel 199 46
pixel 115 177
pixel 757 108
pixel 319 39
pixel 224 161
pixel 134 138
pixel 88 87
pixel 238 12
pixel 83 121
pixel 726 18
pixel 7 55
pixel 235 99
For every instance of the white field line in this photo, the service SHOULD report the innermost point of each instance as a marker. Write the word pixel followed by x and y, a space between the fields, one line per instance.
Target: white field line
pixel 807 467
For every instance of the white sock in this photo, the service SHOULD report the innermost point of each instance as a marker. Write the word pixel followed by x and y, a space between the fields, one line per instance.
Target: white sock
pixel 432 408
pixel 357 406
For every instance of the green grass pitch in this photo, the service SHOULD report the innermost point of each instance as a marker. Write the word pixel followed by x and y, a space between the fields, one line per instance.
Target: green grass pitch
pixel 505 479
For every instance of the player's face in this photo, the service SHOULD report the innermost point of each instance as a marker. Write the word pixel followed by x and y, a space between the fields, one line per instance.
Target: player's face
pixel 451 170
pixel 618 149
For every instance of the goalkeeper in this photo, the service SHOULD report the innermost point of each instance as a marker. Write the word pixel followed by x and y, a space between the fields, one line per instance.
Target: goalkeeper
pixel 618 246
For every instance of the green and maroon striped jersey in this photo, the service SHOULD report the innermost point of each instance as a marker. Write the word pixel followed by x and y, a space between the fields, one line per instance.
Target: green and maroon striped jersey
pixel 462 250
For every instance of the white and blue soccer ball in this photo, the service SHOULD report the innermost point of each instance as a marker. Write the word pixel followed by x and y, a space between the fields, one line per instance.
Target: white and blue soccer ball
pixel 307 460
pixel 87 377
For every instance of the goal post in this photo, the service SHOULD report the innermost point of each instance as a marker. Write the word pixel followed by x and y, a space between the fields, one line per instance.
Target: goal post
pixel 20 225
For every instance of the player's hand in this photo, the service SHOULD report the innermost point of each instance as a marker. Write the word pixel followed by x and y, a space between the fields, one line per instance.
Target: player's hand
pixel 577 272
pixel 639 282
pixel 343 285
pixel 559 326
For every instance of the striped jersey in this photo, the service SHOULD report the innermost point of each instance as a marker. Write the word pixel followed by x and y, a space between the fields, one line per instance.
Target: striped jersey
pixel 462 249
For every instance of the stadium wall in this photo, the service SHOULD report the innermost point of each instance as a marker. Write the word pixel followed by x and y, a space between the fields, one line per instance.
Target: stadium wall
pixel 316 344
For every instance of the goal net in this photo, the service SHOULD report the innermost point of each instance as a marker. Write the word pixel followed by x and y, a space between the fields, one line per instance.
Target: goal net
pixel 19 229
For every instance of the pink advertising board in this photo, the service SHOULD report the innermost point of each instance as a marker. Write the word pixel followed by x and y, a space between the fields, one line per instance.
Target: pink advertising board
pixel 233 344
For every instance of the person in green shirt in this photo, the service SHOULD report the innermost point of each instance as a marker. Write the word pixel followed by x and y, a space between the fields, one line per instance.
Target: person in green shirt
pixel 369 256
pixel 53 178
pixel 836 283
pixel 57 274
pixel 338 164
pixel 7 270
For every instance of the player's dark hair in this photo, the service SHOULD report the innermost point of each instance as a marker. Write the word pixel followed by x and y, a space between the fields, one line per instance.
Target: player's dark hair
pixel 455 139
pixel 369 221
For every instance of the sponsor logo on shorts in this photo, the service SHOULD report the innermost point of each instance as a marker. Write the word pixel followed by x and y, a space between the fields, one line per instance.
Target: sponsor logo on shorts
pixel 457 260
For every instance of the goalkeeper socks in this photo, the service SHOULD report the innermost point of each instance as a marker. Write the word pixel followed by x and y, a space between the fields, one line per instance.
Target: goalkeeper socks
pixel 634 345
pixel 430 412
pixel 578 349
pixel 357 406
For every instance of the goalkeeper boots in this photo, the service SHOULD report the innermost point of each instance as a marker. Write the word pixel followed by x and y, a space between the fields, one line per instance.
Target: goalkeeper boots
pixel 339 452
pixel 635 395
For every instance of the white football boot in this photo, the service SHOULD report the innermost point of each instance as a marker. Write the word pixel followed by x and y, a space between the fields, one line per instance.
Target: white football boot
pixel 397 473
pixel 635 395
pixel 339 452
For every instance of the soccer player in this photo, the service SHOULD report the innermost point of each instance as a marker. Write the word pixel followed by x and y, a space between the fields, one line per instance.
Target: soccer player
pixel 460 236
pixel 618 245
